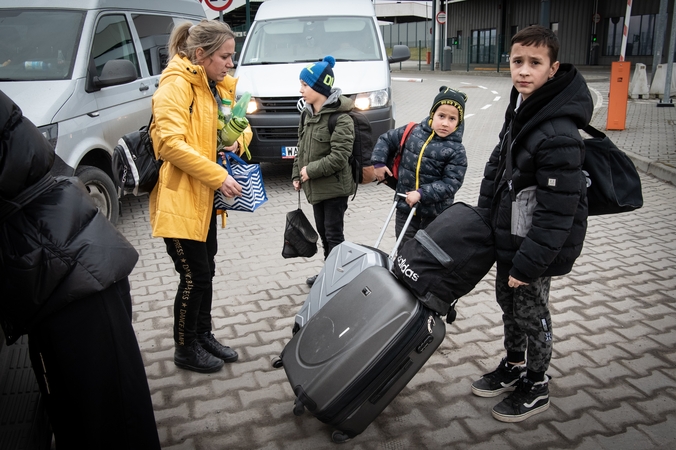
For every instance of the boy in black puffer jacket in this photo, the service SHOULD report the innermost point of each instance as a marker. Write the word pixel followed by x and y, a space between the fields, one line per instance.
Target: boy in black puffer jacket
pixel 64 283
pixel 534 185
pixel 433 161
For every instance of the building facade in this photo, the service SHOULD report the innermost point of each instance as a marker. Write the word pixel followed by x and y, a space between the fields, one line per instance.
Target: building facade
pixel 589 31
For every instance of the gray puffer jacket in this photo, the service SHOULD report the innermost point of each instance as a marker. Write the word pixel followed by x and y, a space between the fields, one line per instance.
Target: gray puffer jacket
pixel 441 171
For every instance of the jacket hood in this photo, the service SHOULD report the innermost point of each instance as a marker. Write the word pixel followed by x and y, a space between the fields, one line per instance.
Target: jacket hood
pixel 20 169
pixel 182 67
pixel 335 102
pixel 565 94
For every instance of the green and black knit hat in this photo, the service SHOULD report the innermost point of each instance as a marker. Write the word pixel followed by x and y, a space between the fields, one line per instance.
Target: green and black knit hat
pixel 448 96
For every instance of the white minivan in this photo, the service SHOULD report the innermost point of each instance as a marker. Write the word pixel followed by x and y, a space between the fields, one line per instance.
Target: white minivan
pixel 286 36
pixel 84 72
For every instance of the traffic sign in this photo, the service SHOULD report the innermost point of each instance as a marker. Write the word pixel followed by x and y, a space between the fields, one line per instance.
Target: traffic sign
pixel 596 18
pixel 441 17
pixel 210 4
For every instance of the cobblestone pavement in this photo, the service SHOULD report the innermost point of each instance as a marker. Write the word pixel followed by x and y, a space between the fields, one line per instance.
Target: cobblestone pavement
pixel 614 363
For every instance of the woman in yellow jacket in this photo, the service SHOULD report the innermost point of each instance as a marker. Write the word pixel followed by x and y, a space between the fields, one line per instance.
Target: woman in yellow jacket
pixel 185 109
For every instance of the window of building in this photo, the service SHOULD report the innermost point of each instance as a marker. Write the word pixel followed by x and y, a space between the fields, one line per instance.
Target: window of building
pixel 554 26
pixel 483 48
pixel 639 36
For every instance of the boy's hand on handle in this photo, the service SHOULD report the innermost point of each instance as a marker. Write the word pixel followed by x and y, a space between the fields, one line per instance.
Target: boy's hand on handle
pixel 412 197
pixel 382 172
pixel 514 283
pixel 231 188
pixel 296 185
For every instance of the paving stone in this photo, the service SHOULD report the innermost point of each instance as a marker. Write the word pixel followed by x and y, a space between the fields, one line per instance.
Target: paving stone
pixel 579 428
pixel 662 432
pixel 631 439
pixel 653 383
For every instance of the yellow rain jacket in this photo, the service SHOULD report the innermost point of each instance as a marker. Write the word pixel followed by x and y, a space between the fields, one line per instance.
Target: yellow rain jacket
pixel 184 137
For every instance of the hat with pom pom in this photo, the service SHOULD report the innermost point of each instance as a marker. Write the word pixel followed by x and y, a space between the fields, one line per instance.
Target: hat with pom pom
pixel 448 96
pixel 319 76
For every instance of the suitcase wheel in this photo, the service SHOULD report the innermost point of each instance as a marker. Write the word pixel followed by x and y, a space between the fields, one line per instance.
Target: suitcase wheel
pixel 277 362
pixel 298 408
pixel 339 437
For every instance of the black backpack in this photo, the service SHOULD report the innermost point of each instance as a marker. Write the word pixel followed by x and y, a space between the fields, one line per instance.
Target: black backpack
pixel 448 258
pixel 362 148
pixel 135 168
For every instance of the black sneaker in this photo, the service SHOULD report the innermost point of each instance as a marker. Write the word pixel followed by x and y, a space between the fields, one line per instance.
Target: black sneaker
pixel 529 398
pixel 310 281
pixel 501 380
pixel 210 344
pixel 194 357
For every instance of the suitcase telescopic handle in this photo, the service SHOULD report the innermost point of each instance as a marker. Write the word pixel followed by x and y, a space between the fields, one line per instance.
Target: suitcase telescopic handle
pixel 387 222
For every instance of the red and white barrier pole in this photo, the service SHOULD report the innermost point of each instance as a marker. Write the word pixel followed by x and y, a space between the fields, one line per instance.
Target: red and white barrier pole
pixel 625 31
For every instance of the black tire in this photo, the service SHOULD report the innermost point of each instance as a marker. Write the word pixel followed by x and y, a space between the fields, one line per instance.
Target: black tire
pixel 102 191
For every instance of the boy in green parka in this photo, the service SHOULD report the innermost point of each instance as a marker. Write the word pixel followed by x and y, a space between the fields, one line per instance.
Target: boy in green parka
pixel 321 167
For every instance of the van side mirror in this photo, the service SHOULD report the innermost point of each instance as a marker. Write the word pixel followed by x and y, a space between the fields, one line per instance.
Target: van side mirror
pixel 114 72
pixel 399 53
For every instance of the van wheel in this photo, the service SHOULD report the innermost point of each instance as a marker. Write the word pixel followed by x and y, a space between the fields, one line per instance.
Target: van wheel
pixel 102 191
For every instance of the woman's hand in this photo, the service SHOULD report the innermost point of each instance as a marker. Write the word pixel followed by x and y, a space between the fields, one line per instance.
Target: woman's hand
pixel 303 174
pixel 382 172
pixel 296 185
pixel 233 148
pixel 231 188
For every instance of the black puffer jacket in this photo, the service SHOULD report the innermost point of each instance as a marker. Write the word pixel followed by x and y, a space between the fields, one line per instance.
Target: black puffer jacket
pixel 57 248
pixel 442 167
pixel 547 153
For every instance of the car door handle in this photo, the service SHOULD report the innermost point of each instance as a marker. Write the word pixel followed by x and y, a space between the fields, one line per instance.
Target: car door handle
pixel 157 82
pixel 143 87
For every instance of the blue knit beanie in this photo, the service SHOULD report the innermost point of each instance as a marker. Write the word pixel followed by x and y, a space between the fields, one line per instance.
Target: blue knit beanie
pixel 319 76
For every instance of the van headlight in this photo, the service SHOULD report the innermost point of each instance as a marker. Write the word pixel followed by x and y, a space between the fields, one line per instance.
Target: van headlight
pixel 50 132
pixel 374 99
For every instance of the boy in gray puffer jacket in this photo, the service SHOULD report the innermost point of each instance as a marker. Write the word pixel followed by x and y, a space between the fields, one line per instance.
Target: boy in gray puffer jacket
pixel 433 161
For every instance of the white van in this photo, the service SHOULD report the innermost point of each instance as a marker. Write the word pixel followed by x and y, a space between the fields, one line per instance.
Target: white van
pixel 84 72
pixel 286 36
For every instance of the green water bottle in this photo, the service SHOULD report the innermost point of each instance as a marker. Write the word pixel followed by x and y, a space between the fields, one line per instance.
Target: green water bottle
pixel 239 110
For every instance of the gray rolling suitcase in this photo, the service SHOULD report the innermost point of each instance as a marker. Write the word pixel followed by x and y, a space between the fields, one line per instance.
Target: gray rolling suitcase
pixel 343 264
pixel 359 351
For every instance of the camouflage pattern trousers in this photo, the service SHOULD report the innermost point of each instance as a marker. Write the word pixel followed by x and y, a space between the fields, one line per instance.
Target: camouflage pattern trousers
pixel 527 322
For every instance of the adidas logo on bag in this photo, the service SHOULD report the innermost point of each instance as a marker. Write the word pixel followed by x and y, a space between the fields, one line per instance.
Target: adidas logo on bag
pixel 409 273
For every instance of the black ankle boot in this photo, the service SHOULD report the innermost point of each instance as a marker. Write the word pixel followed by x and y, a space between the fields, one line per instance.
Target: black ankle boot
pixel 210 344
pixel 194 357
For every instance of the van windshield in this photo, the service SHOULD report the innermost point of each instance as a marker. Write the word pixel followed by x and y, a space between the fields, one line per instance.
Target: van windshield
pixel 38 44
pixel 283 41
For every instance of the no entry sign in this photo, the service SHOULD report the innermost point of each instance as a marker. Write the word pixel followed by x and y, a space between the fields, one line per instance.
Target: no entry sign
pixel 441 17
pixel 218 5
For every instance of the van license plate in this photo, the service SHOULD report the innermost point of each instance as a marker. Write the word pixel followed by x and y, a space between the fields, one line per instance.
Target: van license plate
pixel 289 152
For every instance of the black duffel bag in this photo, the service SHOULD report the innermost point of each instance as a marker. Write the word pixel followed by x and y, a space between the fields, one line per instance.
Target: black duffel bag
pixel 300 238
pixel 448 258
pixel 613 184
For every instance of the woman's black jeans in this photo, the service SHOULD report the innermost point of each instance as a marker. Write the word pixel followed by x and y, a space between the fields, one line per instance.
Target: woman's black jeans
pixel 194 262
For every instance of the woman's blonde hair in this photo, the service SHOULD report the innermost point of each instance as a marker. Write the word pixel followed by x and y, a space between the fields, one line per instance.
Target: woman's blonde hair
pixel 209 35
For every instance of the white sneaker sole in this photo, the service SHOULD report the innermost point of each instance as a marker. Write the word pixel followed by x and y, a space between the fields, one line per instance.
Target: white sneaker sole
pixel 520 417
